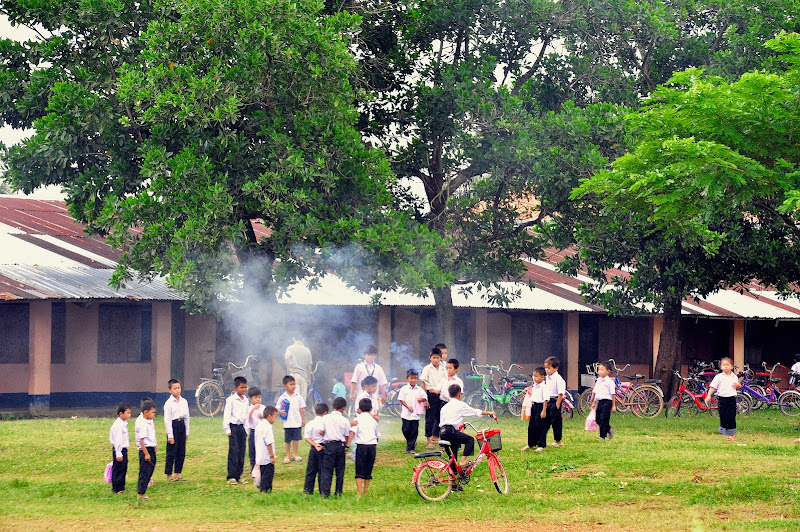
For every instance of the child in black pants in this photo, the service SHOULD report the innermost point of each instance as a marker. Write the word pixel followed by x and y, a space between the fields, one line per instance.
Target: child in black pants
pixel 313 436
pixel 118 435
pixel 604 397
pixel 539 422
pixel 146 442
pixel 176 421
pixel 337 436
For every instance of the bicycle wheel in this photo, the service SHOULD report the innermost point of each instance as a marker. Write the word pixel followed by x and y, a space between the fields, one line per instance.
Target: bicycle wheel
pixel 393 405
pixel 312 399
pixel 477 400
pixel 756 402
pixel 688 407
pixel 433 482
pixel 498 474
pixel 566 410
pixel 585 400
pixel 742 405
pixel 623 401
pixel 515 402
pixel 646 401
pixel 210 398
pixel 789 402
pixel 673 407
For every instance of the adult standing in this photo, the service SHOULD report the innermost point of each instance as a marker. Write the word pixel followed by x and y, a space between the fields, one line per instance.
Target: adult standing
pixel 298 363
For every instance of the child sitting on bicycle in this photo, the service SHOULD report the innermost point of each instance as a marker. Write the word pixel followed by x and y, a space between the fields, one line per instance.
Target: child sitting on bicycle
pixel 452 417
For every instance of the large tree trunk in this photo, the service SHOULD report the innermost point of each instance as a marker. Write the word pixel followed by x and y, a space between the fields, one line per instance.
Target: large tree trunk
pixel 445 319
pixel 669 348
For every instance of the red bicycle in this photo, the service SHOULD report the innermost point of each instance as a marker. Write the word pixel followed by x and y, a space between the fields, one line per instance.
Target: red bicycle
pixel 688 404
pixel 435 478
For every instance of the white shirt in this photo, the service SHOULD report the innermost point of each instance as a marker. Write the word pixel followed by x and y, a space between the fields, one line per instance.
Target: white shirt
pixel 724 384
pixel 296 403
pixel 264 437
pixel 375 370
pixel 604 388
pixel 795 367
pixel 454 412
pixel 366 432
pixel 253 419
pixel 374 397
pixel 411 397
pixel 313 429
pixel 433 377
pixel 539 392
pixel 444 395
pixel 336 427
pixel 298 357
pixel 235 412
pixel 555 385
pixel 145 428
pixel 118 436
pixel 176 409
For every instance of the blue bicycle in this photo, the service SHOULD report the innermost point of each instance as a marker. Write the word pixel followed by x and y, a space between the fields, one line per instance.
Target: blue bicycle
pixel 788 402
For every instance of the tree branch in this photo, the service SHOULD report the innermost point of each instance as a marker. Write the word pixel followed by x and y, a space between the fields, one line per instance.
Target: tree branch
pixel 531 71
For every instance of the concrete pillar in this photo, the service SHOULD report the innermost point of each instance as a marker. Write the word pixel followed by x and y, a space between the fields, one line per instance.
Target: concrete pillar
pixel 572 320
pixel 482 337
pixel 658 326
pixel 385 337
pixel 738 343
pixel 39 337
pixel 161 358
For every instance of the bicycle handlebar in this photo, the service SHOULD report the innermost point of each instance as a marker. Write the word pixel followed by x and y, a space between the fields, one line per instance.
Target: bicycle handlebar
pixel 246 362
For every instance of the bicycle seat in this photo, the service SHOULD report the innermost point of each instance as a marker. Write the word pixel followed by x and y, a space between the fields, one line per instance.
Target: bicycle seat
pixel 652 381
pixel 444 443
pixel 774 379
pixel 428 454
pixel 634 377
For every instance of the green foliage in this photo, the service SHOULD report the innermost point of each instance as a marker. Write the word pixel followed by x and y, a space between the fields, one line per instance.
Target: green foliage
pixel 184 123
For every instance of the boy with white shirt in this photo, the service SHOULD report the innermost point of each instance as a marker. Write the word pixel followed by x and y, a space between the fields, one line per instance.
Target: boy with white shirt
pixel 414 400
pixel 295 418
pixel 118 435
pixel 336 437
pixel 453 414
pixel 313 435
pixel 368 368
pixel 433 376
pixel 265 448
pixel 365 435
pixel 233 421
pixel 369 390
pixel 146 443
pixel 537 425
pixel 176 421
pixel 452 378
pixel 557 388
pixel 255 413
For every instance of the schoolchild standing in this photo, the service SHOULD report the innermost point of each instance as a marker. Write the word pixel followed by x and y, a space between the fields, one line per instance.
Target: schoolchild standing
pixel 118 435
pixel 725 384
pixel 368 368
pixel 365 435
pixel 146 443
pixel 234 419
pixel 604 400
pixel 433 376
pixel 313 435
pixel 295 413
pixel 336 435
pixel 452 378
pixel 255 413
pixel 556 388
pixel 537 425
pixel 413 400
pixel 176 421
pixel 264 440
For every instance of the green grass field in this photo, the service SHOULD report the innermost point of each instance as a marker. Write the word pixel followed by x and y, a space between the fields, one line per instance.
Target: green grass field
pixel 674 474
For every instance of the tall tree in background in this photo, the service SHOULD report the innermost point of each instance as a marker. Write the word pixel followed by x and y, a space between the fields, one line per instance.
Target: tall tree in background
pixel 706 200
pixel 173 126
pixel 471 99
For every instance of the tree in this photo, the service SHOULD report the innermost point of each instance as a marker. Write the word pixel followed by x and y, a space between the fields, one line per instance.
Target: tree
pixel 175 126
pixel 703 202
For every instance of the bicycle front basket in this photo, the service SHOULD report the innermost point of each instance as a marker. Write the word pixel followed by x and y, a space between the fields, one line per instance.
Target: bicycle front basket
pixel 493 437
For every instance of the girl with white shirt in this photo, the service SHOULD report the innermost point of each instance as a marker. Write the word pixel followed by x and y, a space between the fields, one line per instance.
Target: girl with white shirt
pixel 725 384
pixel 604 400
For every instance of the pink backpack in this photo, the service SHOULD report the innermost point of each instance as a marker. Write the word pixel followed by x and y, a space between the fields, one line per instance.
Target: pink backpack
pixel 107 475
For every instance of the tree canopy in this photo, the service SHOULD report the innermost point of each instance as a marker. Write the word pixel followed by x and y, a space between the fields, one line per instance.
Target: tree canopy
pixel 174 127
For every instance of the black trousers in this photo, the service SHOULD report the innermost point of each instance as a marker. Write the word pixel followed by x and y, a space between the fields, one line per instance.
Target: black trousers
pixel 146 469
pixel 410 432
pixel 313 470
pixel 432 415
pixel 727 415
pixel 236 447
pixel 556 421
pixel 251 448
pixel 365 460
pixel 456 439
pixel 333 460
pixel 267 474
pixel 537 427
pixel 176 452
pixel 603 416
pixel 118 471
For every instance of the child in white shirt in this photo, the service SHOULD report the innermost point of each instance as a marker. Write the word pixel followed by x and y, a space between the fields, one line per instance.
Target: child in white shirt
pixel 725 384
pixel 452 378
pixel 314 437
pixel 146 443
pixel 118 435
pixel 604 400
pixel 255 413
pixel 365 435
pixel 292 405
pixel 557 388
pixel 368 368
pixel 413 400
pixel 265 448
pixel 537 425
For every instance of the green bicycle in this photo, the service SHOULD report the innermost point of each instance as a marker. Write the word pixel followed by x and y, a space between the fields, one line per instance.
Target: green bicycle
pixel 507 399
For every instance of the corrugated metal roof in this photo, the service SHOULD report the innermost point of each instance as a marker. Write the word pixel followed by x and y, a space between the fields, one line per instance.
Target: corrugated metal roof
pixel 44 254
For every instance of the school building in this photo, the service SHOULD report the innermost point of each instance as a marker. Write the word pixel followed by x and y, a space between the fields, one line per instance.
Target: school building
pixel 69 340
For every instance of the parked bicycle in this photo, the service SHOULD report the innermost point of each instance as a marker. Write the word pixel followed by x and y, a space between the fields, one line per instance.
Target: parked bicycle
pixel 788 402
pixel 687 403
pixel 497 400
pixel 644 400
pixel 211 393
pixel 434 478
